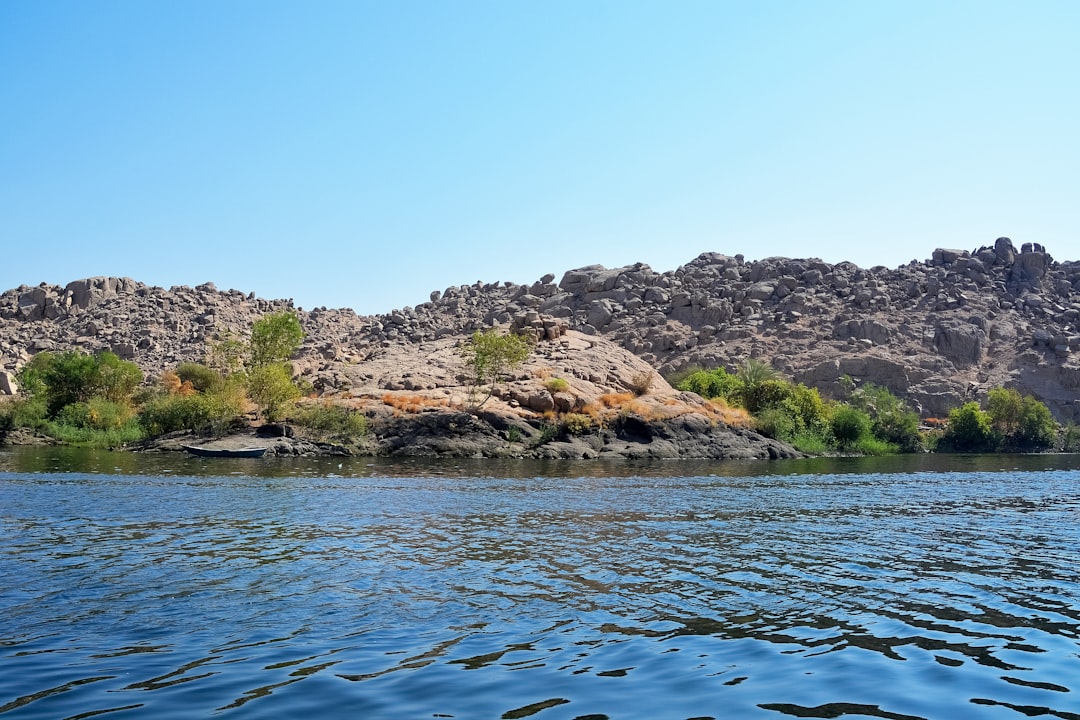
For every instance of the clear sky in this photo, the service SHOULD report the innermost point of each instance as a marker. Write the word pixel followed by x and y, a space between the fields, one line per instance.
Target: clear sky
pixel 361 154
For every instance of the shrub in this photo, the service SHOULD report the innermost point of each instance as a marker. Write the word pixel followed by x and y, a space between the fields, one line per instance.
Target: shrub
pixel 775 423
pixel 329 421
pixel 96 414
pixel 72 377
pixel 871 445
pixel 202 378
pixel 810 443
pixel 200 413
pixel 751 375
pixel 712 384
pixel 577 423
pixel 969 430
pixel 642 382
pixel 555 385
pixel 767 393
pixel 850 426
pixel 891 419
pixel 90 437
pixel 1022 422
pixel 1038 429
pixel 271 387
pixel 1070 437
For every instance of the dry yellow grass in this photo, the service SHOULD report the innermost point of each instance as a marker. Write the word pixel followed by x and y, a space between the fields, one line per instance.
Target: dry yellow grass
pixel 412 403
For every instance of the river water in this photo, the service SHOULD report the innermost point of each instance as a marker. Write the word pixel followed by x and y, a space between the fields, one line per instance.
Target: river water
pixel 172 587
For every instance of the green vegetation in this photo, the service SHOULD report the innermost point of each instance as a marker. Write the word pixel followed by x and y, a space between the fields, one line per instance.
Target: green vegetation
pixel 873 421
pixel 328 422
pixel 555 385
pixel 96 400
pixel 488 357
pixel 78 399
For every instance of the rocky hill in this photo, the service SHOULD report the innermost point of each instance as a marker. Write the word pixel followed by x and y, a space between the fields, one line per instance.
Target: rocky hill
pixel 937 332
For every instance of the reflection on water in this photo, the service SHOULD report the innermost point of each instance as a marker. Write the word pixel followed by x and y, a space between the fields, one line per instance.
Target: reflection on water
pixel 170 586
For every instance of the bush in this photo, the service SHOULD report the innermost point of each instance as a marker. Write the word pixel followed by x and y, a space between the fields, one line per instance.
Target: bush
pixel 711 384
pixel 1022 422
pixel 213 412
pixel 271 387
pixel 577 423
pixel 72 377
pixel 1070 438
pixel 96 414
pixel 769 393
pixel 642 382
pixel 969 430
pixel 850 426
pixel 751 375
pixel 810 443
pixel 329 421
pixel 91 437
pixel 775 423
pixel 891 419
pixel 1038 430
pixel 202 378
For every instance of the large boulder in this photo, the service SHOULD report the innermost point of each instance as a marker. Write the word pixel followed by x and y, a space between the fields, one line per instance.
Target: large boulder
pixel 962 343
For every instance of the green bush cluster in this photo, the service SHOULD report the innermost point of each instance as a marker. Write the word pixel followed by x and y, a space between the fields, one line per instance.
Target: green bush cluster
pixel 873 421
pixel 79 399
pixel 330 422
pixel 213 412
pixel 1011 423
pixel 97 399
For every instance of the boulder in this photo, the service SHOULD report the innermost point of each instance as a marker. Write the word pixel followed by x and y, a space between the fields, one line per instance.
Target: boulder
pixel 962 343
pixel 8 385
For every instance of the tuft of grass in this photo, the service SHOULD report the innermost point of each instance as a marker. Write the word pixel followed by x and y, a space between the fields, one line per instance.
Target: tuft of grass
pixel 615 400
pixel 810 443
pixel 412 403
pixel 873 446
pixel 101 439
pixel 555 385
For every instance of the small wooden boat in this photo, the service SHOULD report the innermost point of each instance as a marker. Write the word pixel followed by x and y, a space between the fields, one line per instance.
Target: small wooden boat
pixel 251 452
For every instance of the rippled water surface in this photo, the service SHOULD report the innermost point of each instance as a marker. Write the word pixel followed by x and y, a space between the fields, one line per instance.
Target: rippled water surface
pixel 173 587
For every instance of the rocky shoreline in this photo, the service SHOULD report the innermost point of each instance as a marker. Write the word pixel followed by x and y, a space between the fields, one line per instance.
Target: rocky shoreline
pixel 936 333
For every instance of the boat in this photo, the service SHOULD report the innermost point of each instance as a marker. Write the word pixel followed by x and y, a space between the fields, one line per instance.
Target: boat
pixel 251 452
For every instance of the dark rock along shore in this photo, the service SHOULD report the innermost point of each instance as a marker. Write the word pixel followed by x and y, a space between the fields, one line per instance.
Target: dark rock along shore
pixel 938 332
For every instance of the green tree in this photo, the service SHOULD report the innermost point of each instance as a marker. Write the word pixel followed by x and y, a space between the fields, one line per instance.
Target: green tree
pixel 891 419
pixel 489 356
pixel 271 387
pixel 1005 406
pixel 1038 430
pixel 274 339
pixel 969 430
pixel 115 379
pixel 1022 422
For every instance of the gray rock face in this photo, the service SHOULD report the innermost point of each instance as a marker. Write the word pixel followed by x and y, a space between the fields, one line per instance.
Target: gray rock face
pixel 939 332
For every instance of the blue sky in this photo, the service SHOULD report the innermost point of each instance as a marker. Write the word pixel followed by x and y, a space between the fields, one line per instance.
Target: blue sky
pixel 361 154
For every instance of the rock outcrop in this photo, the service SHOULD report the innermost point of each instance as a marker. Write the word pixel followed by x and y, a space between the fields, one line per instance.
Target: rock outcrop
pixel 938 332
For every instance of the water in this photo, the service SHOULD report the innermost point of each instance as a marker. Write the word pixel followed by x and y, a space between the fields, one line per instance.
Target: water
pixel 174 587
